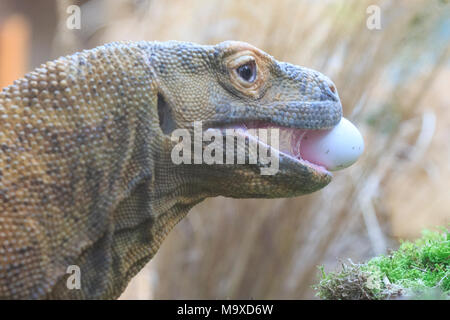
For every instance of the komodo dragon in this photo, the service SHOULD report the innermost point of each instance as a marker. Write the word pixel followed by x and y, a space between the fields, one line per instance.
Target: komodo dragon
pixel 86 176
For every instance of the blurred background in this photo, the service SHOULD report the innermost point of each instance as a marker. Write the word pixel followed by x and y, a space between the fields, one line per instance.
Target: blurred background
pixel 394 83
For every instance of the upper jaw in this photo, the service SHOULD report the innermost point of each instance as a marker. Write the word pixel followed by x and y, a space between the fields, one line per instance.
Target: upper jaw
pixel 315 115
pixel 291 114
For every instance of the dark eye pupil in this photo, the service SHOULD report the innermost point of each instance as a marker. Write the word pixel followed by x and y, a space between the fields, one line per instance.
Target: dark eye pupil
pixel 247 72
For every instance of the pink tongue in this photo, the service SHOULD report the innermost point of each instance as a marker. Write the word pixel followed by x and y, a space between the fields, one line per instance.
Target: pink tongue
pixel 307 148
pixel 302 144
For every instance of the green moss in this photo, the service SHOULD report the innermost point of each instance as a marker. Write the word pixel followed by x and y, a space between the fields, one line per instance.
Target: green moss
pixel 420 269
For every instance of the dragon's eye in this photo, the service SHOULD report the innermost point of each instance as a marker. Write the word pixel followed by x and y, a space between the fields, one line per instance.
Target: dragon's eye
pixel 247 71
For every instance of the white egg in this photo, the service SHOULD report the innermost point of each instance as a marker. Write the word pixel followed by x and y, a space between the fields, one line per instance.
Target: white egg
pixel 335 149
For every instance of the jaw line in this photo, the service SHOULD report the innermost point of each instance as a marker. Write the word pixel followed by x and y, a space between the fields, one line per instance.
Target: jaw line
pixel 315 167
pixel 320 170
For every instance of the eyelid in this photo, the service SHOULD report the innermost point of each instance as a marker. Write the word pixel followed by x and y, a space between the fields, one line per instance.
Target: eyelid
pixel 241 61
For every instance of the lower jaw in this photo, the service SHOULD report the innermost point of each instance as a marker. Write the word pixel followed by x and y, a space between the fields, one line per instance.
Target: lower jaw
pixel 315 167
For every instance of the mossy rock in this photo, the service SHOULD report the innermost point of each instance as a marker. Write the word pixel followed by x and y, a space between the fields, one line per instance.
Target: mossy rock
pixel 418 270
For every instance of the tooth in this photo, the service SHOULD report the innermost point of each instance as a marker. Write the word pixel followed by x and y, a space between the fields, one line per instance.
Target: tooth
pixel 285 137
pixel 297 140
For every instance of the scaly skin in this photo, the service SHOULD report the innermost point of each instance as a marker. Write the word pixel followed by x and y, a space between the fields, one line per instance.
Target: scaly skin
pixel 86 176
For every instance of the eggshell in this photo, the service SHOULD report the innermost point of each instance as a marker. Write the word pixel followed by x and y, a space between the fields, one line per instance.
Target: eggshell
pixel 335 149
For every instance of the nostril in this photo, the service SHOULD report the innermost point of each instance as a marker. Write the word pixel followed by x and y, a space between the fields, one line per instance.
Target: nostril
pixel 331 91
pixel 332 88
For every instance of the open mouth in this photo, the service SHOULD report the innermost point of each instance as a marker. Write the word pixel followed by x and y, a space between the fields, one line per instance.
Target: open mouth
pixel 289 142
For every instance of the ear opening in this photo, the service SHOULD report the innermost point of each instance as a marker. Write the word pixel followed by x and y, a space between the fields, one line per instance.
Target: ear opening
pixel 166 121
